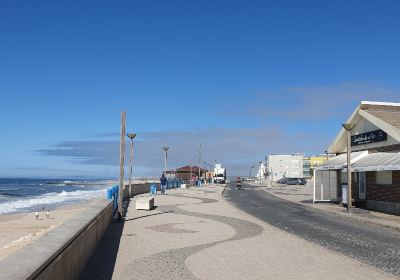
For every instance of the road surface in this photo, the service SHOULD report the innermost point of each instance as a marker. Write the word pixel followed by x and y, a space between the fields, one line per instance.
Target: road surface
pixel 369 244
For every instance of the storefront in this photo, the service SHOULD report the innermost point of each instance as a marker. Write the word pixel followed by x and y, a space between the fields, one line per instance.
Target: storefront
pixel 375 160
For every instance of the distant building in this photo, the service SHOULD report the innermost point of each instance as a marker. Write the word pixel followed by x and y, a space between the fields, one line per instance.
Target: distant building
pixel 289 166
pixel 187 172
pixel 310 163
pixel 307 167
pixel 262 171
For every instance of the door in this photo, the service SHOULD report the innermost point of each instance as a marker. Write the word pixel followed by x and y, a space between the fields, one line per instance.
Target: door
pixel 361 184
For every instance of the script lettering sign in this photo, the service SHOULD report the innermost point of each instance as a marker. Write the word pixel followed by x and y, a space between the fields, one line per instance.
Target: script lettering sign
pixel 368 137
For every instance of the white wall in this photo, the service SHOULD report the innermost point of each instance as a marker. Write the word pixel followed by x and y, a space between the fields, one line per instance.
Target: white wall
pixel 290 166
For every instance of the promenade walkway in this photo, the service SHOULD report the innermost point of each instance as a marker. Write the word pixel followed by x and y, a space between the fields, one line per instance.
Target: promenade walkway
pixel 195 234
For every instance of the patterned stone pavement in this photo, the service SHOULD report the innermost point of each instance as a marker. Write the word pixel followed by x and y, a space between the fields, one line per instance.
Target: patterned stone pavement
pixel 196 234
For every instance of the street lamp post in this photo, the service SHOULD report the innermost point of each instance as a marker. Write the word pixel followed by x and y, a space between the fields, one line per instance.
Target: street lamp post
pixel 121 166
pixel 131 136
pixel 199 161
pixel 348 127
pixel 165 148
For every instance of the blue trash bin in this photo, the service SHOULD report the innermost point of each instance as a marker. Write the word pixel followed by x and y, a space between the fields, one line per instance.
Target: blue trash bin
pixel 109 194
pixel 153 189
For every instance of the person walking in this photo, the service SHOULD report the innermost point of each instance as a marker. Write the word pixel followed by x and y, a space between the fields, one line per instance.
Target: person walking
pixel 163 183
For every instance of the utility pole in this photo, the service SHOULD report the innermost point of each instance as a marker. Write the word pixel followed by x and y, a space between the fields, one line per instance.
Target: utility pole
pixel 121 165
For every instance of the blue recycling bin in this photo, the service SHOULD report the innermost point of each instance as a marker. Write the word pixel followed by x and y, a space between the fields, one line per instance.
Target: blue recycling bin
pixel 109 194
pixel 153 189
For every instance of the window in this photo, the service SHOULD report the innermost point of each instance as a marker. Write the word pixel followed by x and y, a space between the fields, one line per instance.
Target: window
pixel 355 177
pixel 384 177
pixel 343 177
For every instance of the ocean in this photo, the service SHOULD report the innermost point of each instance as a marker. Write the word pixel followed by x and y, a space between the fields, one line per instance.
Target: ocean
pixel 27 195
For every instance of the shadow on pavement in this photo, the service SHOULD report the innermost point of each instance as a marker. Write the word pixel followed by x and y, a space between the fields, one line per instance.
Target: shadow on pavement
pixel 307 201
pixel 155 214
pixel 102 263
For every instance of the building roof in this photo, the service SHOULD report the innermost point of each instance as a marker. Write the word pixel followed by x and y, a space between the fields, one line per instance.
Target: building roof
pixel 378 162
pixel 193 169
pixel 384 115
pixel 340 161
pixel 390 115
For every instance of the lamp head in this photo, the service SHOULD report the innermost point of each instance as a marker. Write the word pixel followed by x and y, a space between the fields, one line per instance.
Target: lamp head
pixel 131 135
pixel 166 148
pixel 348 126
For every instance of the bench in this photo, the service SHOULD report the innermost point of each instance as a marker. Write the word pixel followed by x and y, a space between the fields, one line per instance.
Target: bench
pixel 145 203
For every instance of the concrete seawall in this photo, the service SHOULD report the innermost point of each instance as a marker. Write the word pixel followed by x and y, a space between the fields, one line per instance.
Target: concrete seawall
pixel 64 252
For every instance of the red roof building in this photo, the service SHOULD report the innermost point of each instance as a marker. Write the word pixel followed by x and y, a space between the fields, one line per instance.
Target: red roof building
pixel 186 172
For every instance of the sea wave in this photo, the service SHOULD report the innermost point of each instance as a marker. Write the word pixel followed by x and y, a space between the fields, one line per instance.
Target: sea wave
pixel 47 199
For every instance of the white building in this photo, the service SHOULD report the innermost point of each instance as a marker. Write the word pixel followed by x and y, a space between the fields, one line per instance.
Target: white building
pixel 262 171
pixel 289 166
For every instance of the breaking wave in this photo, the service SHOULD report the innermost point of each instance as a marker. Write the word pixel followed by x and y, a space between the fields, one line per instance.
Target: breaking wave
pixel 33 203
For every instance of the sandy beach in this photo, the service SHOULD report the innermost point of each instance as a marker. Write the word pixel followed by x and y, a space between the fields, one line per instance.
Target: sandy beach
pixel 18 230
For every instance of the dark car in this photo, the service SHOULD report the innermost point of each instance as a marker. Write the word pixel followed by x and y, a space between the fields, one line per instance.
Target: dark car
pixel 293 181
pixel 282 180
pixel 303 181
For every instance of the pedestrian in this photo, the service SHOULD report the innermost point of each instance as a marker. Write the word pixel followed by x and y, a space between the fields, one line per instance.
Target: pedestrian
pixel 163 183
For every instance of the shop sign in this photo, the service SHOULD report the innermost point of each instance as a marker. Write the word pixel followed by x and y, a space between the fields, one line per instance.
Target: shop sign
pixel 368 137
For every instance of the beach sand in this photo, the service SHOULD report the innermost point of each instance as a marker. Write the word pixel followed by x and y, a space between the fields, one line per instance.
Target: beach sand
pixel 18 230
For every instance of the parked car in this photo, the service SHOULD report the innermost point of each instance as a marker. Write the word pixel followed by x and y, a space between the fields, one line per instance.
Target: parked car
pixel 282 180
pixel 303 181
pixel 293 181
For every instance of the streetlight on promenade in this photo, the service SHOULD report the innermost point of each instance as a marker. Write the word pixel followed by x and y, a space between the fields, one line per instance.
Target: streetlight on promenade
pixel 348 127
pixel 166 148
pixel 121 166
pixel 131 136
pixel 199 161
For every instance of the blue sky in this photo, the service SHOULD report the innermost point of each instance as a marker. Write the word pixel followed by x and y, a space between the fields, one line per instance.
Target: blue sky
pixel 244 78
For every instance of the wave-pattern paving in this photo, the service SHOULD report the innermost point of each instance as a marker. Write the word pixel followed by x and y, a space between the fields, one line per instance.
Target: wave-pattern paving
pixel 171 264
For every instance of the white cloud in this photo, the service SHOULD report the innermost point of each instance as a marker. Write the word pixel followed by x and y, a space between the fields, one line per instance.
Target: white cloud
pixel 236 148
pixel 318 103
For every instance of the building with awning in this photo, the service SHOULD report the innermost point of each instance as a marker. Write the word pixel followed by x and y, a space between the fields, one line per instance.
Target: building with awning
pixel 375 160
pixel 329 176
pixel 187 172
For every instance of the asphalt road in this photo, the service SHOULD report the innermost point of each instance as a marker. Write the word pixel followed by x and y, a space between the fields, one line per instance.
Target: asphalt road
pixel 369 244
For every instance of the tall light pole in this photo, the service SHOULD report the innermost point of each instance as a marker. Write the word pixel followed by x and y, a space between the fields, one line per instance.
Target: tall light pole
pixel 199 160
pixel 131 136
pixel 165 148
pixel 121 165
pixel 348 127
